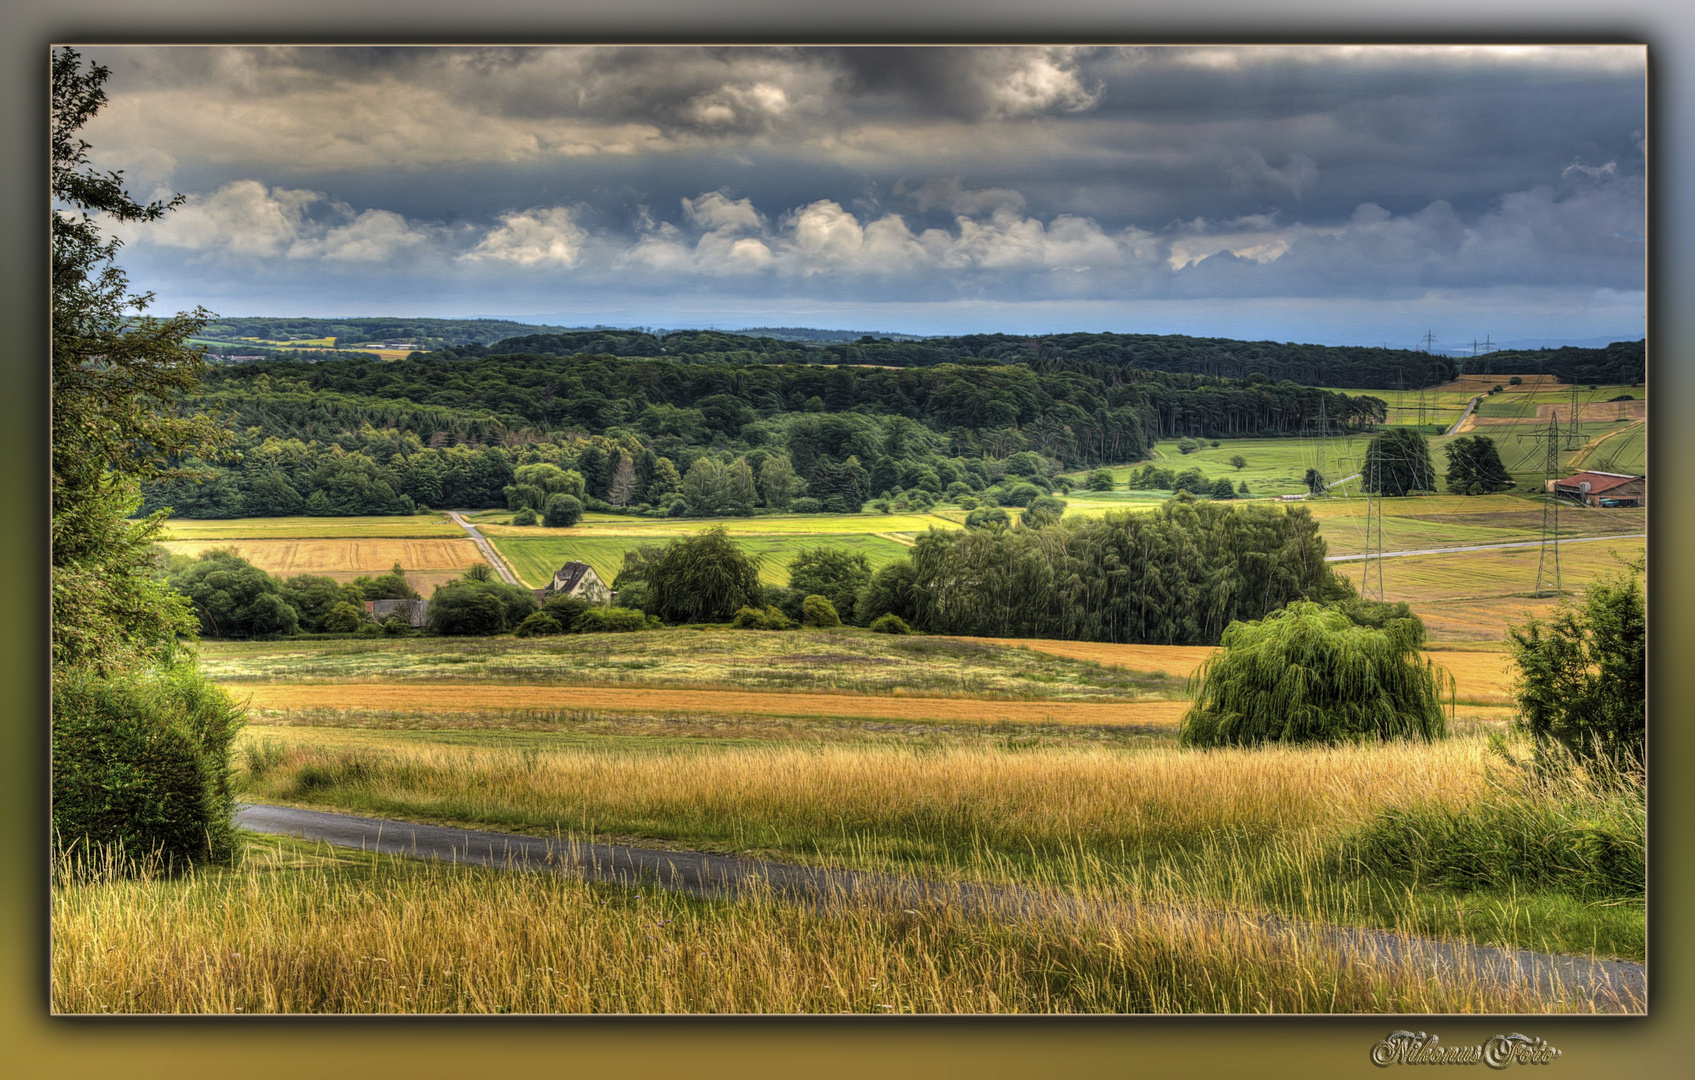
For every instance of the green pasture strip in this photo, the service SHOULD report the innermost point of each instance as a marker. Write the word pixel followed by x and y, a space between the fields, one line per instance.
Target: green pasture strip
pixel 795 525
pixel 839 660
pixel 535 558
pixel 415 526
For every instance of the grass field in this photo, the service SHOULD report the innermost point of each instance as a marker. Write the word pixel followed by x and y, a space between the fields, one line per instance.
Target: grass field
pixel 303 929
pixel 415 526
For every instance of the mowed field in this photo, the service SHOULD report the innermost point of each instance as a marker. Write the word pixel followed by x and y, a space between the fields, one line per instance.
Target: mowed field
pixel 345 548
pixel 600 540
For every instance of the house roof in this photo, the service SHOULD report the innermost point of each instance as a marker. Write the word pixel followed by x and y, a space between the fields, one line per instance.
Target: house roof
pixel 570 574
pixel 1598 481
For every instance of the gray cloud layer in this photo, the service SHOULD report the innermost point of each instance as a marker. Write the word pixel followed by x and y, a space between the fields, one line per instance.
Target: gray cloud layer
pixel 1009 174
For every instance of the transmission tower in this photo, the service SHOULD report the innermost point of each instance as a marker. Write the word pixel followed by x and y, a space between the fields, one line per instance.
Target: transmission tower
pixel 1574 430
pixel 1548 563
pixel 1488 346
pixel 1429 340
pixel 1373 527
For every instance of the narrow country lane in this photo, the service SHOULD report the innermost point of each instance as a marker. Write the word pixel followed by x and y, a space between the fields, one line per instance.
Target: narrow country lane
pixel 1607 985
pixel 486 548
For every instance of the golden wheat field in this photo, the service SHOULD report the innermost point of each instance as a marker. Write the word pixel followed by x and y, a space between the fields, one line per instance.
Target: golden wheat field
pixel 1481 676
pixel 428 562
pixel 448 697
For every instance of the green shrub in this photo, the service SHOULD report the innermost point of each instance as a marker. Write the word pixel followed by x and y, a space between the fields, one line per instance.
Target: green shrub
pixel 613 620
pixel 397 624
pixel 566 609
pixel 343 618
pixel 1578 827
pixel 539 624
pixel 563 511
pixel 1582 680
pixel 818 611
pixel 526 516
pixel 890 624
pixel 1308 674
pixel 141 764
pixel 1100 480
pixel 479 607
pixel 766 618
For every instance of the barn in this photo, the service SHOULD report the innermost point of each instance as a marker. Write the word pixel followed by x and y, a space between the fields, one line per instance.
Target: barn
pixel 1604 489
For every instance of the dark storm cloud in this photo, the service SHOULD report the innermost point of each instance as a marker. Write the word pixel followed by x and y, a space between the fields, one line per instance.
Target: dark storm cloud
pixel 885 174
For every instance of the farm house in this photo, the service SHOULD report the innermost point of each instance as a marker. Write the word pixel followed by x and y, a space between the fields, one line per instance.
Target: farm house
pixel 578 579
pixel 1604 489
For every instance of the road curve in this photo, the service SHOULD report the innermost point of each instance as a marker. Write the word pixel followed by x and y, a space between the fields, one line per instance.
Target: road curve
pixel 1606 985
pixel 486 548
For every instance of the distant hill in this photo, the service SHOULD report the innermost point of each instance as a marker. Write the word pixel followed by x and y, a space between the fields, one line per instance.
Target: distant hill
pixel 1620 362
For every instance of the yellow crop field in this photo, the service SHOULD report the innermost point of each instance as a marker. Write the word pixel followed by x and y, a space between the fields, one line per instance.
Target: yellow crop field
pixel 427 562
pixel 447 697
pixel 1482 675
pixel 304 528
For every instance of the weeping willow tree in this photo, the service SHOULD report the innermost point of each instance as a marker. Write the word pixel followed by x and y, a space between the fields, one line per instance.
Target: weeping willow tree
pixel 703 578
pixel 1309 674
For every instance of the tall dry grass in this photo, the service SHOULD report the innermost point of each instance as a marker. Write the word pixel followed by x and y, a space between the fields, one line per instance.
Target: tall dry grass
pixel 357 934
pixel 952 798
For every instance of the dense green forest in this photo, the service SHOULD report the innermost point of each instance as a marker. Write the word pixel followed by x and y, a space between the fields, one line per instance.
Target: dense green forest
pixel 1315 365
pixel 362 436
pixel 1177 576
pixel 1622 362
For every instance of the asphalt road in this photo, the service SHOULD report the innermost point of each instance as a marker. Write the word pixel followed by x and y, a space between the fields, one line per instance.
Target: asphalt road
pixel 1610 985
pixel 486 548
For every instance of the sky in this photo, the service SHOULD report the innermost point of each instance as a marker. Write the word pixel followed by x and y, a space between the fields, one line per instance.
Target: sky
pixel 1342 195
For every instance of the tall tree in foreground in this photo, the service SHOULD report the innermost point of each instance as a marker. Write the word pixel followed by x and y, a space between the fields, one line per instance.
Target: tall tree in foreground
pixel 141 741
pixel 1582 679
pixel 1309 674
pixel 1474 466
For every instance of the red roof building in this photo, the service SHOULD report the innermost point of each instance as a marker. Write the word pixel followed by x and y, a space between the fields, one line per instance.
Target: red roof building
pixel 1604 489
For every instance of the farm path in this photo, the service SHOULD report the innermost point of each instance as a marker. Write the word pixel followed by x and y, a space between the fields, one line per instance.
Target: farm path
pixel 1488 547
pixel 486 548
pixel 1606 985
pixel 1469 406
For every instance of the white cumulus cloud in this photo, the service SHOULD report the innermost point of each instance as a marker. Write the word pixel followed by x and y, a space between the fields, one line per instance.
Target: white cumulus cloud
pixel 538 237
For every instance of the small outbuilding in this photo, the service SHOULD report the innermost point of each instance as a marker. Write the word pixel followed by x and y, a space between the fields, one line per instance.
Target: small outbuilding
pixel 1604 489
pixel 413 611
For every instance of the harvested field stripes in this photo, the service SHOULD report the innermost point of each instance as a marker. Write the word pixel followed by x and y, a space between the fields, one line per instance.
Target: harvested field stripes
pixel 440 697
pixel 1481 676
pixel 311 528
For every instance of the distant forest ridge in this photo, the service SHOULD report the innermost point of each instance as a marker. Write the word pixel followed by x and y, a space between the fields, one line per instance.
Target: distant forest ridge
pixel 1360 367
pixel 1623 362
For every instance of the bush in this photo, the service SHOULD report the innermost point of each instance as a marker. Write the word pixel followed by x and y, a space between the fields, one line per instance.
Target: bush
pixel 563 511
pixel 766 618
pixel 988 518
pixel 1515 381
pixel 1045 510
pixel 479 608
pixel 1021 495
pixel 1580 827
pixel 833 573
pixel 397 624
pixel 343 618
pixel 566 609
pixel 1307 674
pixel 890 624
pixel 1582 674
pixel 234 598
pixel 819 612
pixel 703 578
pixel 614 620
pixel 1222 488
pixel 538 624
pixel 526 516
pixel 1187 446
pixel 806 504
pixel 1100 480
pixel 968 502
pixel 141 764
